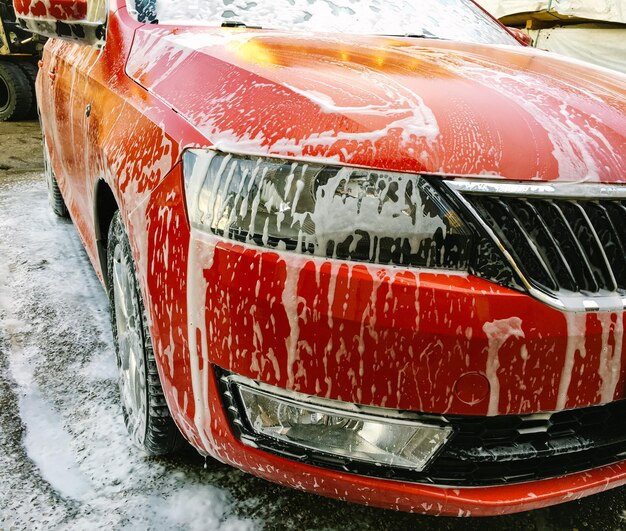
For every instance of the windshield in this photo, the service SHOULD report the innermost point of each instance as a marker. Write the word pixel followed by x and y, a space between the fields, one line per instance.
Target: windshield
pixel 459 20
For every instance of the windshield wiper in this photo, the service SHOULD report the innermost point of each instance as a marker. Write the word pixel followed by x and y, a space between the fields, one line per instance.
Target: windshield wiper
pixel 237 24
pixel 419 36
pixel 424 35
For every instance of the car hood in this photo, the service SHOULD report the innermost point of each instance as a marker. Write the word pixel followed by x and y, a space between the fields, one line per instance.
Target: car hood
pixel 392 103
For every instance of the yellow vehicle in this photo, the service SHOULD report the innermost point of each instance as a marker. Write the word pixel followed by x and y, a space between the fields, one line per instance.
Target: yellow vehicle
pixel 19 53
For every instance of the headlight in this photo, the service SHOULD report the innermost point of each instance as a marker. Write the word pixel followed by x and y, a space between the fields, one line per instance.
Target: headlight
pixel 336 212
pixel 368 438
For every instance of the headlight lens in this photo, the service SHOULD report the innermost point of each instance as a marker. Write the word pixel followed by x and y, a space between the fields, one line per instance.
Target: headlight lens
pixel 346 213
pixel 366 438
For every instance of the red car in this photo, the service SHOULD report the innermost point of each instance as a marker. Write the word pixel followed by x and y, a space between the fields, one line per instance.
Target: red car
pixel 371 250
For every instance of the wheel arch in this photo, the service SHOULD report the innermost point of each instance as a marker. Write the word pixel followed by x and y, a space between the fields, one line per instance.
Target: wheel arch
pixel 105 206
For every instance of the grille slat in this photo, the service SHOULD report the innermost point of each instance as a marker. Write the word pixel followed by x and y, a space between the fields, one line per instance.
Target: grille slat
pixel 561 245
pixel 610 239
pixel 531 243
pixel 502 220
pixel 569 245
pixel 537 228
pixel 590 244
pixel 617 214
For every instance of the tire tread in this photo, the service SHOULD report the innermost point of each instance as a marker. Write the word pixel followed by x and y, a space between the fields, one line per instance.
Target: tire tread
pixel 20 92
pixel 31 70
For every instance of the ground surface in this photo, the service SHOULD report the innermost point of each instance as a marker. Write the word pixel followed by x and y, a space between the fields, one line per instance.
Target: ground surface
pixel 65 461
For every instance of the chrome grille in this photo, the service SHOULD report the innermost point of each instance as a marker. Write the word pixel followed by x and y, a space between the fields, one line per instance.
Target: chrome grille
pixel 562 244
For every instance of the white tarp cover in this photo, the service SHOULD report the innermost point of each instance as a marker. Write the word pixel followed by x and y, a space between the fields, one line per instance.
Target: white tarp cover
pixel 601 10
pixel 588 42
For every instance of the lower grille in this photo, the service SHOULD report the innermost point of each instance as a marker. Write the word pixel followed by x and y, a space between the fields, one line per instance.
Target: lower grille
pixel 512 449
pixel 563 245
pixel 483 450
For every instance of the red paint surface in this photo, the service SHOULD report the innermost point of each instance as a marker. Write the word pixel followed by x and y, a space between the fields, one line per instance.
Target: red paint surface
pixel 471 388
pixel 499 109
pixel 394 338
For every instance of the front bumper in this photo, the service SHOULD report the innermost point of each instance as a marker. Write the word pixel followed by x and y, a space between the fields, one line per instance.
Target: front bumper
pixel 430 342
pixel 408 342
pixel 400 494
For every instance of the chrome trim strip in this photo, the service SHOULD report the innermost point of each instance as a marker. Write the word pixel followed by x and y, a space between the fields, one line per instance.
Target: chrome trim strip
pixel 567 190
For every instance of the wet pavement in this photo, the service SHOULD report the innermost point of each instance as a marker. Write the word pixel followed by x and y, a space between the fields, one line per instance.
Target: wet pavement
pixel 65 460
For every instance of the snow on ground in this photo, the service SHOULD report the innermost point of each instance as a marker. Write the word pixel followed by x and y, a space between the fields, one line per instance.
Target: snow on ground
pixel 55 332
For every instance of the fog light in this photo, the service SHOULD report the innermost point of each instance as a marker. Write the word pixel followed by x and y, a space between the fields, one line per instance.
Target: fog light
pixel 378 440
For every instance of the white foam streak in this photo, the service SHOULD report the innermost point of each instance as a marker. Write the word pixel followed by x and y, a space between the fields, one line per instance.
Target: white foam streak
pixel 498 332
pixel 200 258
pixel 290 303
pixel 610 355
pixel 576 331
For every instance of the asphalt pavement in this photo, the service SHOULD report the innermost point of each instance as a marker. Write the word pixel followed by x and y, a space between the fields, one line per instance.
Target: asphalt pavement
pixel 65 460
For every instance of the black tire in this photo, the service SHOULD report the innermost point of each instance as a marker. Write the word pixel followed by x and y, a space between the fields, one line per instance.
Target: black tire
pixel 55 199
pixel 150 426
pixel 16 94
pixel 31 70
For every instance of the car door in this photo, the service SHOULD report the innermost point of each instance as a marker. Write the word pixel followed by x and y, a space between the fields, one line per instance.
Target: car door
pixel 66 77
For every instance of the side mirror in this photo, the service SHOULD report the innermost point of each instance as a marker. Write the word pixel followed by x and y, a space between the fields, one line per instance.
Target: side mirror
pixel 74 20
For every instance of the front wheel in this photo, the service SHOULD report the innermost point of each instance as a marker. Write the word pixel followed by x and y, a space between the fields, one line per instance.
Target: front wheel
pixel 145 411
